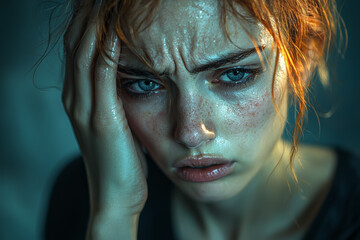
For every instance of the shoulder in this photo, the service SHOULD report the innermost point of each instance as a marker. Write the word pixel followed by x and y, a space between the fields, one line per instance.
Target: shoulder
pixel 346 187
pixel 339 216
pixel 348 164
pixel 317 163
pixel 335 167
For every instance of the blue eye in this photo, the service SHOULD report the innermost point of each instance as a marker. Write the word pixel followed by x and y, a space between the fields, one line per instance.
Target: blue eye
pixel 238 77
pixel 147 85
pixel 234 75
pixel 141 86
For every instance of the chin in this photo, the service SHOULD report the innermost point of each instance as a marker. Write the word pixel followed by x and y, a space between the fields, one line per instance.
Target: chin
pixel 210 192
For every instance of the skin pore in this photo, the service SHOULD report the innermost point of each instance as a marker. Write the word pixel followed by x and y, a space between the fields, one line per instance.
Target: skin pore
pixel 221 105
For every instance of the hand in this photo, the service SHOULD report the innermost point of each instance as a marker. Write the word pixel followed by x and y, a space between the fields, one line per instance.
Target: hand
pixel 113 160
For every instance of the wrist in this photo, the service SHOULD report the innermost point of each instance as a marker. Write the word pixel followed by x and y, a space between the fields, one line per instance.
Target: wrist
pixel 112 225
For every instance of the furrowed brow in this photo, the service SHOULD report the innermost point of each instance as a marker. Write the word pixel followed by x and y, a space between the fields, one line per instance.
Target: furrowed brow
pixel 232 57
pixel 139 72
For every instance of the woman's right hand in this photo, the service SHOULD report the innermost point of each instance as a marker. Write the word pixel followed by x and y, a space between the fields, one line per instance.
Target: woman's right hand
pixel 114 161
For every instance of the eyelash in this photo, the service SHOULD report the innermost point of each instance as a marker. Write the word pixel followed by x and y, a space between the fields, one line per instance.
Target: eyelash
pixel 249 76
pixel 242 83
pixel 126 83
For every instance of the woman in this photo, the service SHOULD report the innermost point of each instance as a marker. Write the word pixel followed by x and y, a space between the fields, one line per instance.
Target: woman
pixel 202 88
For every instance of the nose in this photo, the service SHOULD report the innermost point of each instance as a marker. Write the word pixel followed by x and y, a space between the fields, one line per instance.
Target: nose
pixel 192 130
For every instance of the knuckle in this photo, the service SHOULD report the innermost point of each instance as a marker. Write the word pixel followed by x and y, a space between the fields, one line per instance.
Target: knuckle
pixel 79 115
pixel 103 71
pixel 99 124
pixel 81 61
pixel 69 40
pixel 75 111
pixel 107 62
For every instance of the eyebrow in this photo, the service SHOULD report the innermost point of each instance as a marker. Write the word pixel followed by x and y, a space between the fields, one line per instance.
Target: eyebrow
pixel 217 62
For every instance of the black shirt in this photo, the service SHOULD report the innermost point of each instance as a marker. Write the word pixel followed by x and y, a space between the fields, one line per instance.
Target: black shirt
pixel 68 212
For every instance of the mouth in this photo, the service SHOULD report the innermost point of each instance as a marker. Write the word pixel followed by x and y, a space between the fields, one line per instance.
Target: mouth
pixel 203 168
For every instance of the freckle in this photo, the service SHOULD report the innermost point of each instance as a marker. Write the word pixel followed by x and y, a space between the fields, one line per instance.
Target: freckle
pixel 201 101
pixel 238 105
pixel 229 122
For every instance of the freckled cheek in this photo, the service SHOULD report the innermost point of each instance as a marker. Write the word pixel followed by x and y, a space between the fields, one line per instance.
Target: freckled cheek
pixel 147 123
pixel 259 112
pixel 249 115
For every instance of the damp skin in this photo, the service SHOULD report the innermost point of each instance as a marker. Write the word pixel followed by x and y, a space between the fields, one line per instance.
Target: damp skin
pixel 238 123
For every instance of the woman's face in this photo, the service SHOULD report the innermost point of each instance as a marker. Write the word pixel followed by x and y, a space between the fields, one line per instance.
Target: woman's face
pixel 220 93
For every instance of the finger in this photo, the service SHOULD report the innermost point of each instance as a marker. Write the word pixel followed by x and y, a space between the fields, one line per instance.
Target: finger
pixel 83 69
pixel 77 26
pixel 106 100
pixel 72 38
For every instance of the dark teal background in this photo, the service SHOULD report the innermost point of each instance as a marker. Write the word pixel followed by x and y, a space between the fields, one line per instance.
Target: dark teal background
pixel 36 139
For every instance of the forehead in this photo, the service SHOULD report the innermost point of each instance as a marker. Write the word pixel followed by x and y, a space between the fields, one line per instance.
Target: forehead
pixel 193 31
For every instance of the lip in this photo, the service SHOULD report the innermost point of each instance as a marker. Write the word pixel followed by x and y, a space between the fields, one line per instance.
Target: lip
pixel 203 168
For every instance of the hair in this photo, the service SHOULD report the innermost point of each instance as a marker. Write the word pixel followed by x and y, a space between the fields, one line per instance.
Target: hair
pixel 303 31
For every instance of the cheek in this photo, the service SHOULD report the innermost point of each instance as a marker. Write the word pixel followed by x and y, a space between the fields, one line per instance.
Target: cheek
pixel 248 115
pixel 255 112
pixel 252 128
pixel 146 121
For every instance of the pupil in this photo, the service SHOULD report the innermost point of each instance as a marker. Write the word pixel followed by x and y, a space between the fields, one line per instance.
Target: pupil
pixel 236 72
pixel 235 75
pixel 146 85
